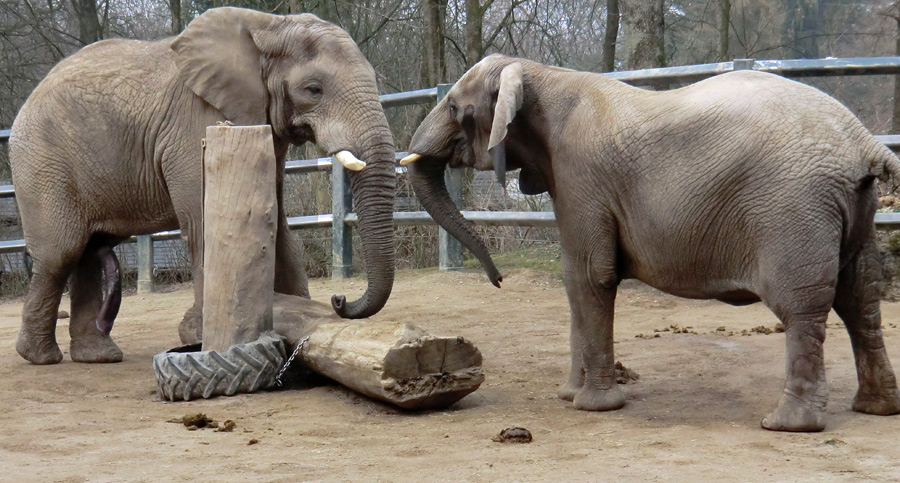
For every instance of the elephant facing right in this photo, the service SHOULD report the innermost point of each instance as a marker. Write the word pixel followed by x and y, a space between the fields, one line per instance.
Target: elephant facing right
pixel 745 187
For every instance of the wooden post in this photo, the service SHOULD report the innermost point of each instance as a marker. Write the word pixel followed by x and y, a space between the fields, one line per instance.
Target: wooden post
pixel 145 264
pixel 341 236
pixel 239 218
pixel 390 361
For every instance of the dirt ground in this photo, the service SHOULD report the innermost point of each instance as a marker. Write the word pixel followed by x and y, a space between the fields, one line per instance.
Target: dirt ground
pixel 693 415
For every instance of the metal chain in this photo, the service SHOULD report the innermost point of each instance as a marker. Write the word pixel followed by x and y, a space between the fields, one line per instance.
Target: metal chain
pixel 289 361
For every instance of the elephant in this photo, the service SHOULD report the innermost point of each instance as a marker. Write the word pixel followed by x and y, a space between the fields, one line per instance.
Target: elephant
pixel 108 145
pixel 745 187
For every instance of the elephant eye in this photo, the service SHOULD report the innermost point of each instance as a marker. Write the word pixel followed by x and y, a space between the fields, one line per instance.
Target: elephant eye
pixel 453 111
pixel 313 89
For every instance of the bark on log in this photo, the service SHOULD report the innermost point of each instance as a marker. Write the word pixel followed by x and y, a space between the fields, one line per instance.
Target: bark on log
pixel 393 362
pixel 239 210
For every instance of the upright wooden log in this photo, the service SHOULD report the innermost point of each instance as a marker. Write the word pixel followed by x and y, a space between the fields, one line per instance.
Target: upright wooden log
pixel 239 216
pixel 390 361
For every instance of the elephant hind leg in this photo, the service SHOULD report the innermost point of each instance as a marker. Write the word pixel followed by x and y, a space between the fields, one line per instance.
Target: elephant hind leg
pixel 801 295
pixel 858 303
pixel 88 343
pixel 36 341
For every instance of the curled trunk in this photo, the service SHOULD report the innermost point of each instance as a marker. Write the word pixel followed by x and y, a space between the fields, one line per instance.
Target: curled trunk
pixel 374 189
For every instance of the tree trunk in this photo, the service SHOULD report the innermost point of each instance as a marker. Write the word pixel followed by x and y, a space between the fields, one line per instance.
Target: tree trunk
pixel 644 25
pixel 238 237
pixel 473 33
pixel 434 67
pixel 177 21
pixel 800 30
pixel 610 36
pixel 89 29
pixel 724 24
pixel 389 361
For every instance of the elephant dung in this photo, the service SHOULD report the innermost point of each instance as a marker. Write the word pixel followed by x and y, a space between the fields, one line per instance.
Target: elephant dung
pixel 389 361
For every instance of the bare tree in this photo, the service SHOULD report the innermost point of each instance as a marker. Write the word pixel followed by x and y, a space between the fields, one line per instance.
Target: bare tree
pixel 644 22
pixel 86 14
pixel 610 36
pixel 724 24
pixel 434 65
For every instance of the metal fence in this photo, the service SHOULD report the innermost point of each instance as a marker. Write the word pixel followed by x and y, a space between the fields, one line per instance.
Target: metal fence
pixel 341 220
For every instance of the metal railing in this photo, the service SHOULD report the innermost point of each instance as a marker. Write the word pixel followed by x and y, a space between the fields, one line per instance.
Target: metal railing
pixel 342 219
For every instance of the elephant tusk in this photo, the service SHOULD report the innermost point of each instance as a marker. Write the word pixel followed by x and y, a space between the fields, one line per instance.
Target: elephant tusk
pixel 350 161
pixel 412 158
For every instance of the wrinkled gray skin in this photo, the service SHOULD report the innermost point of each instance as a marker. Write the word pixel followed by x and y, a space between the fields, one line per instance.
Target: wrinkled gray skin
pixel 745 187
pixel 108 146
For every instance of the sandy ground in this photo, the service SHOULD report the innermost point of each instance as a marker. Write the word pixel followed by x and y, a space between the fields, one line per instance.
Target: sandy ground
pixel 693 415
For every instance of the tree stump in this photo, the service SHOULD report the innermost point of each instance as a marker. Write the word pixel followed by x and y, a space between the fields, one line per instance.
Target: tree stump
pixel 389 361
pixel 239 224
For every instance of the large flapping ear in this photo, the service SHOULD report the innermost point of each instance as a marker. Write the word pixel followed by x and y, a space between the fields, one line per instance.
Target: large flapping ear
pixel 509 101
pixel 220 62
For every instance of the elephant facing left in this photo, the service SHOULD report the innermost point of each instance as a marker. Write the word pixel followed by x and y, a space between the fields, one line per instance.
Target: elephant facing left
pixel 108 146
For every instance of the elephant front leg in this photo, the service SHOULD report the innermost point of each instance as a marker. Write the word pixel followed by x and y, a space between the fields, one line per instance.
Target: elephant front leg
pixel 88 343
pixel 576 369
pixel 290 275
pixel 190 330
pixel 592 306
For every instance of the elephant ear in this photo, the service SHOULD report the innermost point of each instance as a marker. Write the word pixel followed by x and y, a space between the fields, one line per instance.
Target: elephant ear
pixel 220 62
pixel 509 101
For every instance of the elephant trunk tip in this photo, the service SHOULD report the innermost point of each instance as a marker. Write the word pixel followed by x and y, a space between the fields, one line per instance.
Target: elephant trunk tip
pixel 359 309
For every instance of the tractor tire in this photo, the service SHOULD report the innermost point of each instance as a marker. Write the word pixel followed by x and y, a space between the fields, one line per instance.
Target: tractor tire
pixel 242 368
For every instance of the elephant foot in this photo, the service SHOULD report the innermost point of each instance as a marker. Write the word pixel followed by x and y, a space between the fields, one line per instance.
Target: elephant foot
pixel 568 391
pixel 99 349
pixel 793 414
pixel 40 350
pixel 607 399
pixel 883 404
pixel 191 327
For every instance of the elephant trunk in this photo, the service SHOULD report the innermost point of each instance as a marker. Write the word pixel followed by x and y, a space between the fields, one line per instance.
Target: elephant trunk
pixel 428 183
pixel 374 189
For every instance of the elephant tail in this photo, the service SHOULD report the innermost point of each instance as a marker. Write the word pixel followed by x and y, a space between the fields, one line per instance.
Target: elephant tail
pixel 884 163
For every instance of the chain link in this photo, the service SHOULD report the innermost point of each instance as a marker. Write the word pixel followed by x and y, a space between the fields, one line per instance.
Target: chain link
pixel 289 361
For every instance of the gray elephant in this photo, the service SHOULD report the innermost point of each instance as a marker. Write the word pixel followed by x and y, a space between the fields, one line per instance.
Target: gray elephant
pixel 745 187
pixel 108 146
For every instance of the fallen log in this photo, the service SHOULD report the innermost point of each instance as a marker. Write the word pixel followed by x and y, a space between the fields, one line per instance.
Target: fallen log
pixel 389 361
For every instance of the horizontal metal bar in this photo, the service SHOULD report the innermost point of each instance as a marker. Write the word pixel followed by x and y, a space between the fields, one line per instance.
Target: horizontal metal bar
pixel 308 165
pixel 12 246
pixel 398 99
pixel 787 68
pixel 482 218
pixel 890 140
pixel 7 191
pixel 889 219
pixel 831 66
pixel 4 135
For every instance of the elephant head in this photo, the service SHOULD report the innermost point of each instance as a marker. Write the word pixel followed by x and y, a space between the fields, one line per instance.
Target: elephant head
pixel 309 81
pixel 476 126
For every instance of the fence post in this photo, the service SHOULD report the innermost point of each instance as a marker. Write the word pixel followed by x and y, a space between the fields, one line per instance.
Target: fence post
pixel 742 64
pixel 450 248
pixel 341 236
pixel 145 282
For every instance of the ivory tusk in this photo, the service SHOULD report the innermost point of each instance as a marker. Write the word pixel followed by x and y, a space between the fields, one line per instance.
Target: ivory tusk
pixel 412 158
pixel 350 161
